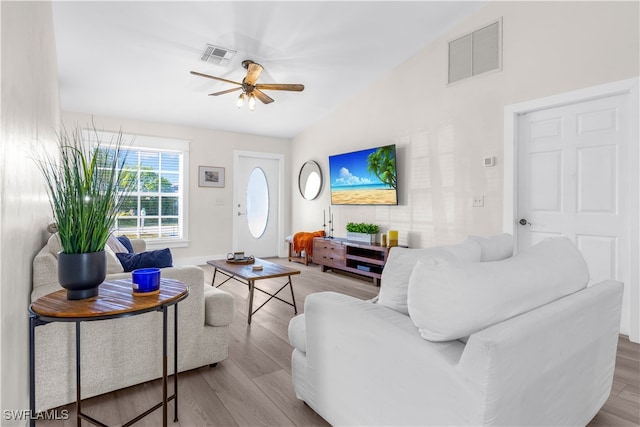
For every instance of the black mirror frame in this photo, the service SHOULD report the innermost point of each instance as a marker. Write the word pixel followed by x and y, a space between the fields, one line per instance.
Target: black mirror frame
pixel 316 168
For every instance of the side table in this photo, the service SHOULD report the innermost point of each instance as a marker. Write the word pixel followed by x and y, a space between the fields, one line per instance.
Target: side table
pixel 115 300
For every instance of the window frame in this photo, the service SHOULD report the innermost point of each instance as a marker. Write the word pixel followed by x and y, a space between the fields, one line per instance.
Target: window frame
pixel 159 145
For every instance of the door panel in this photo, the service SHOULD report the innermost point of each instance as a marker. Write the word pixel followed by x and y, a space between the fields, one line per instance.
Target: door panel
pixel 572 168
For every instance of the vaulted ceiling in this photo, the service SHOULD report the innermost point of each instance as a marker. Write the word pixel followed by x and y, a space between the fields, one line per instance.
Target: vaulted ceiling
pixel 132 59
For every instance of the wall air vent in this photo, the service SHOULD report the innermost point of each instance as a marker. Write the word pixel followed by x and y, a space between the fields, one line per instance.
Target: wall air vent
pixel 476 53
pixel 217 55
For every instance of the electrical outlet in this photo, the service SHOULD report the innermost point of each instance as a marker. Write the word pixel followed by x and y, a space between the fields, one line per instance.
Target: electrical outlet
pixel 478 201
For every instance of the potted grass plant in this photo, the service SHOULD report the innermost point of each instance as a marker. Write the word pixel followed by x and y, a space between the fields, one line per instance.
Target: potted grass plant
pixel 85 187
pixel 362 232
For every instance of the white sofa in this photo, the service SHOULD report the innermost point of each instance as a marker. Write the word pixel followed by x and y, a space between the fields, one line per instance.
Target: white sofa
pixel 515 341
pixel 123 352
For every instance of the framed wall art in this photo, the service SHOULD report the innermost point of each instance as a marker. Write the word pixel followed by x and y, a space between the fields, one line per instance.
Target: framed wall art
pixel 210 176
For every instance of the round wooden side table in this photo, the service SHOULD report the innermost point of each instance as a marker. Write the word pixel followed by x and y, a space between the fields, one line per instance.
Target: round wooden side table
pixel 114 300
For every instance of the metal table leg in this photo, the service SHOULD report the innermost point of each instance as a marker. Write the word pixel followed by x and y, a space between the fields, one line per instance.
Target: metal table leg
pixel 252 285
pixel 32 370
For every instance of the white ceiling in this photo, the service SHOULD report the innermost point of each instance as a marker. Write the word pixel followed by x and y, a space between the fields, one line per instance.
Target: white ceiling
pixel 132 59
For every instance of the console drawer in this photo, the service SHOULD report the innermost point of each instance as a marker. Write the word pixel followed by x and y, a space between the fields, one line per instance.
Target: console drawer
pixel 328 253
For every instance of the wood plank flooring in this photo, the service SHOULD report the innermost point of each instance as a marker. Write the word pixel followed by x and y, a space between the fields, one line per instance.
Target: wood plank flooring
pixel 253 387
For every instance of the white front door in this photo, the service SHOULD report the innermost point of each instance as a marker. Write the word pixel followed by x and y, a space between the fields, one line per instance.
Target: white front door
pixel 573 179
pixel 257 201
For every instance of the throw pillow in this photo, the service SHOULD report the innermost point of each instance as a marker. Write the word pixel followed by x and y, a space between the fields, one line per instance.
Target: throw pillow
pixel 450 299
pixel 495 248
pixel 113 264
pixel 159 259
pixel 115 244
pixel 397 270
pixel 126 243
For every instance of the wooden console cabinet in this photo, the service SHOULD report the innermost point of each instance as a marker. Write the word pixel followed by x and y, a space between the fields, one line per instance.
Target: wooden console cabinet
pixel 354 257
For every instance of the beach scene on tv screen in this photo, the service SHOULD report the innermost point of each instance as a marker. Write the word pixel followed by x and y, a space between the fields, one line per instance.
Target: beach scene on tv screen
pixel 366 177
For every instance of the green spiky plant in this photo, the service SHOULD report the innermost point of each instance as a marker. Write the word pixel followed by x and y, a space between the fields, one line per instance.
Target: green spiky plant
pixel 85 187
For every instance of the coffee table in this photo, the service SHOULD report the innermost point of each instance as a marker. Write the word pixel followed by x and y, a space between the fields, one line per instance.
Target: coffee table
pixel 244 273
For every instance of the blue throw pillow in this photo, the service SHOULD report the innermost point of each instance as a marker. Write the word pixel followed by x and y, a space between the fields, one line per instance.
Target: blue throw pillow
pixel 126 243
pixel 158 259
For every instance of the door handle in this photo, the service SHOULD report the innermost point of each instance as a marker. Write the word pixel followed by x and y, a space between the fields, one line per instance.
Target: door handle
pixel 241 213
pixel 523 221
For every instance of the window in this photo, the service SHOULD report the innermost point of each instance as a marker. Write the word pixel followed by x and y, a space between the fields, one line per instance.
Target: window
pixel 156 208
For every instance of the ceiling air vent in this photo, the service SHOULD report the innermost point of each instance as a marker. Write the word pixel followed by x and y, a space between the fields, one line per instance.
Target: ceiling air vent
pixel 476 53
pixel 217 55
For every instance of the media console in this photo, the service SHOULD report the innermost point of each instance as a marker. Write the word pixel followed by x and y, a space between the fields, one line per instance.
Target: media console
pixel 354 257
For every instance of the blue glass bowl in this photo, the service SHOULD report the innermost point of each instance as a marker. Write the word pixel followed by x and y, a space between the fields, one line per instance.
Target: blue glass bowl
pixel 145 280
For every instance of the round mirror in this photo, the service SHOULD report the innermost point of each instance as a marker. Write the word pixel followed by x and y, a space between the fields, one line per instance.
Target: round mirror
pixel 310 180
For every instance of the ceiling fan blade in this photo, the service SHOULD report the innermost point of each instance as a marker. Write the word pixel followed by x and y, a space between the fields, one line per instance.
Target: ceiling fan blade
pixel 253 72
pixel 266 99
pixel 225 91
pixel 215 78
pixel 280 86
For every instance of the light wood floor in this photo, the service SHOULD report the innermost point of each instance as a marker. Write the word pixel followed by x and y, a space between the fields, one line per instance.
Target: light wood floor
pixel 253 387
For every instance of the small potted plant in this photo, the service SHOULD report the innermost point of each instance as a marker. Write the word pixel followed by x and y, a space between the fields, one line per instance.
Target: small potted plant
pixel 362 232
pixel 85 187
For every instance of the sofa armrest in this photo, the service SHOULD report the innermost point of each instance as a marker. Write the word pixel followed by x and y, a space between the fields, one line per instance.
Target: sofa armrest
pixel 559 358
pixel 219 306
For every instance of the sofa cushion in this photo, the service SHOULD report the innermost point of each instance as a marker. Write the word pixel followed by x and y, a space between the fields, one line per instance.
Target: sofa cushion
pixel 160 258
pixel 397 270
pixel 495 248
pixel 450 299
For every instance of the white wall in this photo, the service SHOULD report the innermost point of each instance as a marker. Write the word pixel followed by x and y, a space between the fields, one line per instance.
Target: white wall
pixel 210 209
pixel 443 132
pixel 29 118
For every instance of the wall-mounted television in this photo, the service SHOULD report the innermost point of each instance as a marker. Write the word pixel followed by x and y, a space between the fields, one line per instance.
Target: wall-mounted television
pixel 365 177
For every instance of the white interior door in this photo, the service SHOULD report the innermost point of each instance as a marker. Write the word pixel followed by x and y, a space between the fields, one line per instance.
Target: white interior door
pixel 573 179
pixel 257 201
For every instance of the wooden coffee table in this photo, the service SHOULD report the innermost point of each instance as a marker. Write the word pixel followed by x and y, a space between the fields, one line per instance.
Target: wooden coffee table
pixel 244 273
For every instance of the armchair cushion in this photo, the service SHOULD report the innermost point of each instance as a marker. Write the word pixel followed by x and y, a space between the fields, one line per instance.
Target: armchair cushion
pixel 450 299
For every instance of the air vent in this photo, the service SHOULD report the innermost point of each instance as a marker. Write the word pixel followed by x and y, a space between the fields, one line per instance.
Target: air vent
pixel 217 55
pixel 476 53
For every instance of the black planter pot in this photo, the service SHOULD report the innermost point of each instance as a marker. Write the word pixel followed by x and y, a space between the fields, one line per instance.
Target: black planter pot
pixel 81 274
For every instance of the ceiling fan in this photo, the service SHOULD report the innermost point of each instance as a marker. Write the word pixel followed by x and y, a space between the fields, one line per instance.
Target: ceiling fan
pixel 251 90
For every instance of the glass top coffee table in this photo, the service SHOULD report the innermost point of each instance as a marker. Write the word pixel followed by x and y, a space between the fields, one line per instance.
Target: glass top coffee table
pixel 245 273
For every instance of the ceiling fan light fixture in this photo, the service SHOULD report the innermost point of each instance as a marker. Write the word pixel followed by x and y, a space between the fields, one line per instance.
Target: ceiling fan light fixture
pixel 240 101
pixel 252 102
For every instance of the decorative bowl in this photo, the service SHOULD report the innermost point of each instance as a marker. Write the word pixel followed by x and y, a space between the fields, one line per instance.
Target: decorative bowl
pixel 145 280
